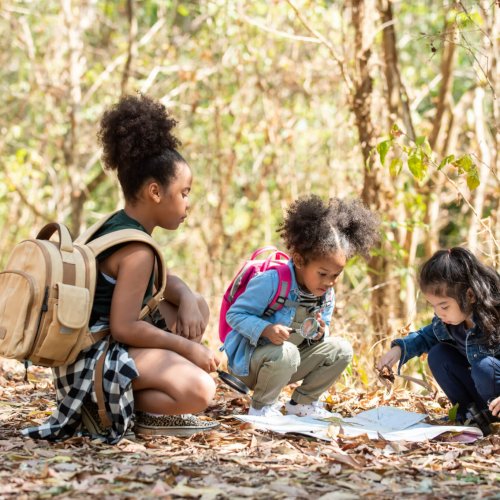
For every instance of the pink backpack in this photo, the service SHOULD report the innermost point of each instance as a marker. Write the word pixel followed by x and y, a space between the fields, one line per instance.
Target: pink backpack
pixel 276 260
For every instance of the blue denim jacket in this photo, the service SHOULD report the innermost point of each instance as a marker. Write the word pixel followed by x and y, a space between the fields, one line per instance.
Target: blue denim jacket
pixel 247 320
pixel 416 343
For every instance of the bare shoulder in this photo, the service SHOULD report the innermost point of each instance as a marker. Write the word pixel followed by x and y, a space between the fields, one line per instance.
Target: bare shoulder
pixel 134 256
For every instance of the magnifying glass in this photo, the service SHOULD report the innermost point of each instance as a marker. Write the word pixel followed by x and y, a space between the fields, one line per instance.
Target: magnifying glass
pixel 233 382
pixel 308 329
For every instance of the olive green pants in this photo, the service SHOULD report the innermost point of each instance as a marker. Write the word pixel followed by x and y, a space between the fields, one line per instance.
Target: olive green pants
pixel 272 367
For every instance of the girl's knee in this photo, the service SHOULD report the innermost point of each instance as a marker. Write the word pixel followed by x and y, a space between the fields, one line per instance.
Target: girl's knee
pixel 484 366
pixel 486 376
pixel 290 355
pixel 283 356
pixel 340 349
pixel 438 355
pixel 201 391
pixel 485 372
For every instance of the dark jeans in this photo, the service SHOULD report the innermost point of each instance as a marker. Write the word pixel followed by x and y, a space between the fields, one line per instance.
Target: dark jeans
pixel 462 383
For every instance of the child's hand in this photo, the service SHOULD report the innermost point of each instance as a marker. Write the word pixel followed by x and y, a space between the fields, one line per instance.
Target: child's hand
pixel 494 407
pixel 389 358
pixel 277 334
pixel 190 321
pixel 322 327
pixel 203 357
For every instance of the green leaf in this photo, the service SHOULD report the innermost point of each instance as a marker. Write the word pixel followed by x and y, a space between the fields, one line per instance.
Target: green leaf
pixel 452 413
pixel 446 161
pixel 420 140
pixel 465 164
pixel 395 166
pixel 469 20
pixel 383 148
pixel 21 155
pixel 416 166
pixel 473 179
pixel 183 10
pixel 426 147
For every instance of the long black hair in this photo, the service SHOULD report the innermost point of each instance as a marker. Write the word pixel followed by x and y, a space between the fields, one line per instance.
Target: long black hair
pixel 457 273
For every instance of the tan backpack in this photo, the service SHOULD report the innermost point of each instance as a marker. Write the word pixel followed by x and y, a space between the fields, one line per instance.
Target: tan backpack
pixel 47 290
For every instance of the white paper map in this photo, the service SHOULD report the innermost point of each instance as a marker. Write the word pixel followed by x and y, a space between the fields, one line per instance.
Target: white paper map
pixel 391 424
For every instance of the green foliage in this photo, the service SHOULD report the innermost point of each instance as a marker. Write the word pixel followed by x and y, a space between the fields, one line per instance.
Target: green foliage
pixel 419 157
pixel 263 115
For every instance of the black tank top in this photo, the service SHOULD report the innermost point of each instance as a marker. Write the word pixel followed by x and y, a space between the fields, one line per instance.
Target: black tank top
pixel 104 289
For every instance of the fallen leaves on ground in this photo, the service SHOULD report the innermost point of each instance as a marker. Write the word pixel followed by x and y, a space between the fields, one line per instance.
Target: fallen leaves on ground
pixel 236 460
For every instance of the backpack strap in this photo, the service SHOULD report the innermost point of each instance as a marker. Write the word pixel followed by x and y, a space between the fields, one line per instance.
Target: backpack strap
pixel 99 389
pixel 109 240
pixel 273 257
pixel 65 240
pixel 284 286
pixel 86 235
pixel 262 250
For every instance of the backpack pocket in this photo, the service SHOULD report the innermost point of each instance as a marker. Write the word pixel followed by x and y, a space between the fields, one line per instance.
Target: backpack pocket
pixel 17 295
pixel 69 320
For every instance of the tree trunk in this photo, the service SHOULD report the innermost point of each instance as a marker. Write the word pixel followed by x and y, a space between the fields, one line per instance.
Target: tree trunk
pixel 437 137
pixel 484 169
pixel 397 97
pixel 440 135
pixel 399 109
pixel 375 194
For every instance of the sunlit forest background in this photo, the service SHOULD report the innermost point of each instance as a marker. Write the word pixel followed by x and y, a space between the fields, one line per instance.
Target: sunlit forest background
pixel 395 102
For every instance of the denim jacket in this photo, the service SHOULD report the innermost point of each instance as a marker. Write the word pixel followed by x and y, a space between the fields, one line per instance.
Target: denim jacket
pixel 247 320
pixel 416 343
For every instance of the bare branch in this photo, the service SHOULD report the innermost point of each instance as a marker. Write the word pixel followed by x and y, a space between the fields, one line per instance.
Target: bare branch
pixel 282 34
pixel 462 195
pixel 119 60
pixel 24 197
pixel 326 43
pixel 132 33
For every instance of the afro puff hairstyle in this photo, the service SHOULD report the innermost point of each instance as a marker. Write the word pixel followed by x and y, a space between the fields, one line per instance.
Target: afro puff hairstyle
pixel 313 228
pixel 137 142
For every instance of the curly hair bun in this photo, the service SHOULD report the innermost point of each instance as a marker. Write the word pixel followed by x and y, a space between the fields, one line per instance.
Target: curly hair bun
pixel 133 130
pixel 358 224
pixel 312 227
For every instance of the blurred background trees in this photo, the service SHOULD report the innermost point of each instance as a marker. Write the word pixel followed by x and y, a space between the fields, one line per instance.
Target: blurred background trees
pixel 392 101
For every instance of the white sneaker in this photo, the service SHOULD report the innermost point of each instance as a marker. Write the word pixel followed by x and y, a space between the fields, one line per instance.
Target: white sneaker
pixel 314 410
pixel 266 411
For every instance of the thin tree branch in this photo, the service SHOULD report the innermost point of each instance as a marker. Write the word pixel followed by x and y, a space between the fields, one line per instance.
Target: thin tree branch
pixel 121 59
pixel 25 198
pixel 454 184
pixel 132 33
pixel 282 34
pixel 326 43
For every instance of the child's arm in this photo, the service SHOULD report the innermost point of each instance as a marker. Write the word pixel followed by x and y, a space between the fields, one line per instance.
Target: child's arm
pixel 134 263
pixel 246 314
pixel 190 321
pixel 415 344
pixel 390 357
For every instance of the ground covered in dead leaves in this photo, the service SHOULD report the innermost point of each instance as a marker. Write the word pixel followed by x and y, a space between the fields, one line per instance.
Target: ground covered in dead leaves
pixel 237 461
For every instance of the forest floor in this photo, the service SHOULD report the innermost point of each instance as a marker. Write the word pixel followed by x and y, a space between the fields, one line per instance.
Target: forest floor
pixel 237 461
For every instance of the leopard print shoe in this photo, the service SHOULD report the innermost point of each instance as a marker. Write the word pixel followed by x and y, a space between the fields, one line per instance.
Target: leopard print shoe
pixel 171 425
